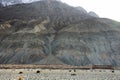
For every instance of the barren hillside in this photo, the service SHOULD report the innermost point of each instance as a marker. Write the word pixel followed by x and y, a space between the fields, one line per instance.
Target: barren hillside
pixel 56 33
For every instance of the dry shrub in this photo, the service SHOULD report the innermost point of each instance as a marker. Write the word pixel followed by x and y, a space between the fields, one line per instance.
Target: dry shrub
pixel 20 78
pixel 20 72
pixel 73 74
pixel 38 71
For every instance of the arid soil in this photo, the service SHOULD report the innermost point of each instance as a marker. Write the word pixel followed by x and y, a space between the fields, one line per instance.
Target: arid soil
pixel 59 74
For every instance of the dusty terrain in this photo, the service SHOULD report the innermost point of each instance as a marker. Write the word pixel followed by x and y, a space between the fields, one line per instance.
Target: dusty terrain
pixel 58 74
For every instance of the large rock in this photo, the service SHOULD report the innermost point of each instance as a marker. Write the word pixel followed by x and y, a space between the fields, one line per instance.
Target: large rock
pixel 82 10
pixel 91 13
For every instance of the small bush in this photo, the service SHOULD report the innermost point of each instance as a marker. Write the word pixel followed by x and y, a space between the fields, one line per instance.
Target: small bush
pixel 38 71
pixel 20 72
pixel 20 78
pixel 112 71
pixel 74 70
pixel 73 74
pixel 70 70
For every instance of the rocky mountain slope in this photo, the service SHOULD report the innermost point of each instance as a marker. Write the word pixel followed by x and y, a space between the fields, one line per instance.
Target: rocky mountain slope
pixel 56 33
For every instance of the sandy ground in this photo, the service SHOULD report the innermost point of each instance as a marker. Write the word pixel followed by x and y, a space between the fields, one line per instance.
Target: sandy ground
pixel 68 74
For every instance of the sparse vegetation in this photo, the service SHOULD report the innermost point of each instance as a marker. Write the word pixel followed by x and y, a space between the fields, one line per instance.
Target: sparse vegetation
pixel 58 74
pixel 20 72
pixel 73 74
pixel 113 71
pixel 70 70
pixel 20 78
pixel 37 71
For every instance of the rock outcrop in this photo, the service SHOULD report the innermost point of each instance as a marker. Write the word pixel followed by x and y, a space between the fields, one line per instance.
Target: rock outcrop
pixel 91 13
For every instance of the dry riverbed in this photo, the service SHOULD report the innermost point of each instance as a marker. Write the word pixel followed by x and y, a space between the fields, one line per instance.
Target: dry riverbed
pixel 58 74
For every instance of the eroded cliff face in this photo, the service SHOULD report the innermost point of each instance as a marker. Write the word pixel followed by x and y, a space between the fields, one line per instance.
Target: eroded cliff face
pixel 66 36
pixel 88 42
